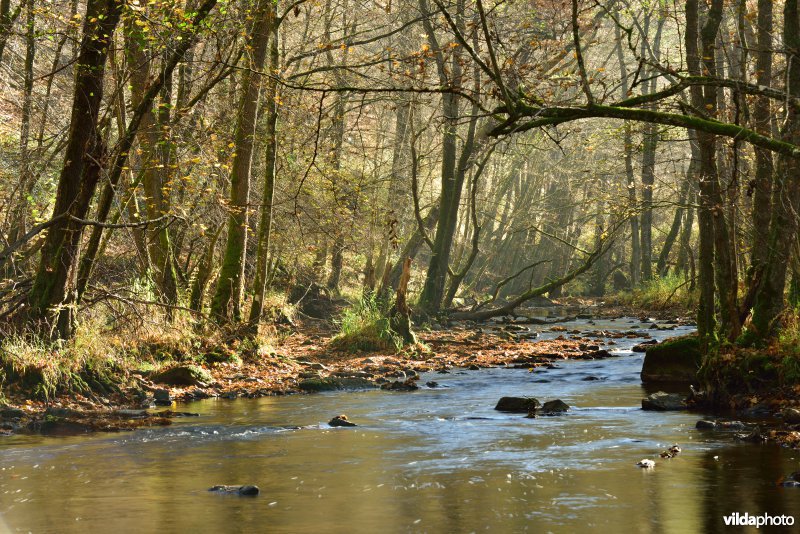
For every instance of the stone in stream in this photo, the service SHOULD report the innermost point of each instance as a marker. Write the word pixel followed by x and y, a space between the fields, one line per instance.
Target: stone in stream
pixel 314 385
pixel 246 490
pixel 553 407
pixel 705 424
pixel 791 415
pixel 662 402
pixel 341 420
pixel 517 404
pixel 162 397
pixel 674 360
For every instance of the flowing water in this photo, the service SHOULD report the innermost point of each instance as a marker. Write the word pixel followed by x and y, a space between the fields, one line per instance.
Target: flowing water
pixel 434 460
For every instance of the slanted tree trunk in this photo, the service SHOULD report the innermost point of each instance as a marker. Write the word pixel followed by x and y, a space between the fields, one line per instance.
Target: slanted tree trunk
pixel 227 302
pixel 141 118
pixel 52 296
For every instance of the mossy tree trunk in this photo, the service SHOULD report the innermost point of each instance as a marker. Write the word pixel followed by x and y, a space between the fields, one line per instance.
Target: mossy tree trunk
pixel 271 151
pixel 52 297
pixel 227 302
pixel 769 297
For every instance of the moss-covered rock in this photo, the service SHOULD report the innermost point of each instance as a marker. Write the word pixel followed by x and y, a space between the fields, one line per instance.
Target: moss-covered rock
pixel 183 375
pixel 675 360
pixel 316 385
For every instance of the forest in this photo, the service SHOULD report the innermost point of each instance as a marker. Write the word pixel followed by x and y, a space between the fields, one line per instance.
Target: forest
pixel 206 163
pixel 243 199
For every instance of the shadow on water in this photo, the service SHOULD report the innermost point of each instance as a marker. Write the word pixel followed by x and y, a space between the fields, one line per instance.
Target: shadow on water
pixel 435 460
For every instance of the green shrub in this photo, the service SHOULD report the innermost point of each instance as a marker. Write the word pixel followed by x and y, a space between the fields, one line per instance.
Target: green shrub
pixel 671 291
pixel 366 326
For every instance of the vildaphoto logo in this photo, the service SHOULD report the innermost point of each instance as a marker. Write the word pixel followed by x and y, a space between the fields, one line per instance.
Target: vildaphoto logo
pixel 746 520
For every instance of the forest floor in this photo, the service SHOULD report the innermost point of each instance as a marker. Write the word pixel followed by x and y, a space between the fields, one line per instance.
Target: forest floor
pixel 303 361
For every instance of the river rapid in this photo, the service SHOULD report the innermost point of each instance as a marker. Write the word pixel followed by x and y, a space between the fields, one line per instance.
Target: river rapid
pixel 434 460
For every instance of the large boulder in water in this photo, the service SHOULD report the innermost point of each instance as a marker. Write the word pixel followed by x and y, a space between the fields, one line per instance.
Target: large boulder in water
pixel 674 360
pixel 517 404
pixel 183 375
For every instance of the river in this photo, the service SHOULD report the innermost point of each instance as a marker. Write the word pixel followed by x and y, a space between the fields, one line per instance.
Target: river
pixel 434 460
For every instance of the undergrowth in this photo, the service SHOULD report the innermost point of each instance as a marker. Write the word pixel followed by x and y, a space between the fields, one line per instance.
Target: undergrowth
pixel 365 325
pixel 663 293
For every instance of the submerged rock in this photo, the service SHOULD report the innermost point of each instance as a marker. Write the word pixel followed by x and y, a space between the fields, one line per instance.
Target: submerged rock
pixel 662 402
pixel 341 420
pixel 246 490
pixel 705 424
pixel 397 385
pixel 791 481
pixel 183 375
pixel 755 436
pixel 517 404
pixel 314 385
pixel 674 360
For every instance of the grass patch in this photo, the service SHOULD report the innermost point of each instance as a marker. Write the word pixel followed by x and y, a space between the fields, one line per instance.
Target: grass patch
pixel 665 293
pixel 366 326
pixel 44 370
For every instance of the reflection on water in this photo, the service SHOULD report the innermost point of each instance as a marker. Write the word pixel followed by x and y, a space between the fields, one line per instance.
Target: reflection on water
pixel 429 461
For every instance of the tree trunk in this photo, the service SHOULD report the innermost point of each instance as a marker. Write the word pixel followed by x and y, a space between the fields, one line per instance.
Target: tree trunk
pixel 271 152
pixel 705 99
pixel 675 228
pixel 19 220
pixel 52 296
pixel 769 299
pixel 227 302
pixel 761 186
pixel 636 251
pixel 430 300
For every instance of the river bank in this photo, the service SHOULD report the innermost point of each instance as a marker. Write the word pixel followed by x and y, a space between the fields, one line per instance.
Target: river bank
pixel 306 362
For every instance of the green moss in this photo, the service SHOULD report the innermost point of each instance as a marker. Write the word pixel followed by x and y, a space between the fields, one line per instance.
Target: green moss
pixel 674 360
pixel 688 343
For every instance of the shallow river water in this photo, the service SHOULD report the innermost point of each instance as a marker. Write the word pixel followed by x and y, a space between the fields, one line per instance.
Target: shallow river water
pixel 435 460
